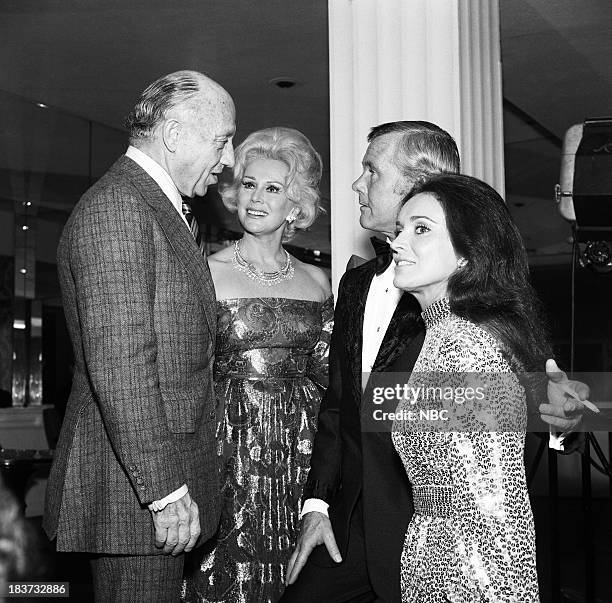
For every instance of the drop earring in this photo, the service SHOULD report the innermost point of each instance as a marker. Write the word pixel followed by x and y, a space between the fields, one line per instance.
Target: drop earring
pixel 461 262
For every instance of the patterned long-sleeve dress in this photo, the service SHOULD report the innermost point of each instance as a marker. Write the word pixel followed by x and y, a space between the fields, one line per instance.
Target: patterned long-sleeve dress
pixel 270 373
pixel 471 538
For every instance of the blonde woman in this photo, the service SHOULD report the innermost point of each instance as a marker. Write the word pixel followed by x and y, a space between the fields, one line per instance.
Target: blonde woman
pixel 274 322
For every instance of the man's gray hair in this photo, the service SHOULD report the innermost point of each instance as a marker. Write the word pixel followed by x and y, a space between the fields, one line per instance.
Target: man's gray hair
pixel 423 148
pixel 157 98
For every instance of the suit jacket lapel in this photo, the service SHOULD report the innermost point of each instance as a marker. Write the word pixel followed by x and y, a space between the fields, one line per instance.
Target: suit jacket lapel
pixel 406 323
pixel 359 297
pixel 180 239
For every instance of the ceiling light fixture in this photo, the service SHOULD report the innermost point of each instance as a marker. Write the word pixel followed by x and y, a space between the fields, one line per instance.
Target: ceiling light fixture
pixel 284 82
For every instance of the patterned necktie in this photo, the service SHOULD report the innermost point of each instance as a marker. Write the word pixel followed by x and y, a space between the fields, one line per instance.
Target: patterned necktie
pixel 193 226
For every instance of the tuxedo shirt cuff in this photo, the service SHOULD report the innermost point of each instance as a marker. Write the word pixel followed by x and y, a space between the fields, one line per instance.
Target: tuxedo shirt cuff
pixel 160 505
pixel 314 504
pixel 556 441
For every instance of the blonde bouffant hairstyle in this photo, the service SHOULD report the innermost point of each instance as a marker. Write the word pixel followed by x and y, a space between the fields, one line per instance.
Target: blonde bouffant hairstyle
pixel 305 168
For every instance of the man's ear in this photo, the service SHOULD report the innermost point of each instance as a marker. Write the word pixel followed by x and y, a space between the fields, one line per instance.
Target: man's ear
pixel 170 133
pixel 404 185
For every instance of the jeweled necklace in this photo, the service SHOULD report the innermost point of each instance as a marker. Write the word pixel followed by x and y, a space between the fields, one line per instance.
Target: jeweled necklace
pixel 268 279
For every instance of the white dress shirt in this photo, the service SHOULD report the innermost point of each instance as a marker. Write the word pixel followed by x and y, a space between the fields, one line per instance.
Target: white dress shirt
pixel 162 178
pixel 381 302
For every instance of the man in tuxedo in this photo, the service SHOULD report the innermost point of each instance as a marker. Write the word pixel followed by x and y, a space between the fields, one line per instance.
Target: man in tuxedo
pixel 134 481
pixel 357 496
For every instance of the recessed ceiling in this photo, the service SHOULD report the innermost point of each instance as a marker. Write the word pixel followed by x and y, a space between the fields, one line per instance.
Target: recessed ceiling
pixel 92 58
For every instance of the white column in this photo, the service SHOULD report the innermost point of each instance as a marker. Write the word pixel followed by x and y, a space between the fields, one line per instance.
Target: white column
pixel 389 60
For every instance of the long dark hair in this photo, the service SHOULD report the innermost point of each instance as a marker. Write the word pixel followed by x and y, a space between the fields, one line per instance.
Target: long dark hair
pixel 493 289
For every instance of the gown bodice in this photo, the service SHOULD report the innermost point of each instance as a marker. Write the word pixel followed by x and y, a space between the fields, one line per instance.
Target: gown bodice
pixel 273 337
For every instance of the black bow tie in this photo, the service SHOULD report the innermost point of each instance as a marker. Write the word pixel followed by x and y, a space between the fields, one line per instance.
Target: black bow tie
pixel 384 255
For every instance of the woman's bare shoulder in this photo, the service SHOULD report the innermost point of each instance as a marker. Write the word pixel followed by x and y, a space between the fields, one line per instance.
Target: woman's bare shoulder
pixel 223 256
pixel 316 274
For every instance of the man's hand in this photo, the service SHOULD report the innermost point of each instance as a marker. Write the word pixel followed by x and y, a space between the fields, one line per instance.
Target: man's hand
pixel 563 412
pixel 177 527
pixel 316 529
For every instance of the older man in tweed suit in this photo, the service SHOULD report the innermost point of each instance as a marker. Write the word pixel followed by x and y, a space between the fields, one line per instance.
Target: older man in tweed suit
pixel 135 480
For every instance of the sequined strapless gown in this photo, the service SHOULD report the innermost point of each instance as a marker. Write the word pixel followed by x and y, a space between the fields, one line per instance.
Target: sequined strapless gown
pixel 270 372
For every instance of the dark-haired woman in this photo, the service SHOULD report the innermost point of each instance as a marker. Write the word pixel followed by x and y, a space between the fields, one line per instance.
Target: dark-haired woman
pixel 472 536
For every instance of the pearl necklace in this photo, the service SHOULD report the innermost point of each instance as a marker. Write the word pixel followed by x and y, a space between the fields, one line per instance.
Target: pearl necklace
pixel 268 279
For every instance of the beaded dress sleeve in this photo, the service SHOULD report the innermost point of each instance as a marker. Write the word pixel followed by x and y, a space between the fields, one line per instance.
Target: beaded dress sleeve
pixel 495 534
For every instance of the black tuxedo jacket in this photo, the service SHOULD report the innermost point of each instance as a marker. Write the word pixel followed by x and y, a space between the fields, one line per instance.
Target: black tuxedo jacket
pixel 347 462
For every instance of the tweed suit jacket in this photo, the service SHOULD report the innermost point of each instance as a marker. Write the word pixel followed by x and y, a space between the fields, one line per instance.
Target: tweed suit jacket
pixel 347 461
pixel 141 312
